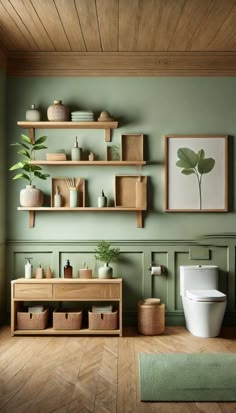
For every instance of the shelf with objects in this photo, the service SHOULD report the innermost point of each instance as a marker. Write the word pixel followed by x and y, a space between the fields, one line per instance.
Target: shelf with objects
pixel 61 290
pixel 130 194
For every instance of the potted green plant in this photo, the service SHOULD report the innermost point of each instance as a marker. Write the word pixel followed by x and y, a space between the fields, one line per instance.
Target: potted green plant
pixel 30 196
pixel 106 254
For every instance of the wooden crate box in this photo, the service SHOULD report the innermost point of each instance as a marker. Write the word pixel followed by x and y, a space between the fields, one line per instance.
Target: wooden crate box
pixel 67 320
pixel 32 321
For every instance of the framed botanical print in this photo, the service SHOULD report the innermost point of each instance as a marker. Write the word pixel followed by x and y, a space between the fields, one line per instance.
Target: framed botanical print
pixel 196 173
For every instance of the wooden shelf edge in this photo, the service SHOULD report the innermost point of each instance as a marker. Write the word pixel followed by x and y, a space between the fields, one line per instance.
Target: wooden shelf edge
pixel 68 124
pixel 89 163
pixel 51 331
pixel 79 209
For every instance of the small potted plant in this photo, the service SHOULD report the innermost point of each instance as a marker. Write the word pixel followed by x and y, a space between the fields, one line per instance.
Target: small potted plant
pixel 106 254
pixel 30 196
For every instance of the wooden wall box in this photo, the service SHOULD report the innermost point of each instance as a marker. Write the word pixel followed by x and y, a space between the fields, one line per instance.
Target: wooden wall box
pixel 132 147
pixel 64 191
pixel 128 194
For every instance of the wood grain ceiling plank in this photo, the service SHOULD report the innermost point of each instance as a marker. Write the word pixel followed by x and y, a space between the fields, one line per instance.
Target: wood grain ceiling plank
pixel 189 21
pixel 23 26
pixel 149 16
pixel 225 38
pixel 211 24
pixel 89 24
pixel 13 38
pixel 69 17
pixel 49 17
pixel 170 12
pixel 107 12
pixel 128 24
pixel 29 16
pixel 122 64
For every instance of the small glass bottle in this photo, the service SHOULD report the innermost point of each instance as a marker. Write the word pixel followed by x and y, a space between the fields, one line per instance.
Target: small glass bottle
pixel 102 201
pixel 57 198
pixel 68 270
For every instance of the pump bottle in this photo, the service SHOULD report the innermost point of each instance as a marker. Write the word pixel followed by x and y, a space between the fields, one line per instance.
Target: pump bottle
pixel 76 152
pixel 28 268
pixel 68 270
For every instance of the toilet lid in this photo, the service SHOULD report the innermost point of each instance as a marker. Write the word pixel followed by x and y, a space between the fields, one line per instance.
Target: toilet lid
pixel 205 295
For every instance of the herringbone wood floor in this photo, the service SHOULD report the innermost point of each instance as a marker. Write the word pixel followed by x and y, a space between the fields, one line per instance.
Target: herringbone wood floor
pixel 94 374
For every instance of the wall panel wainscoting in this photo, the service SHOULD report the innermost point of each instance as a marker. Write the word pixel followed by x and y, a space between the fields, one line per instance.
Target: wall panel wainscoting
pixel 133 267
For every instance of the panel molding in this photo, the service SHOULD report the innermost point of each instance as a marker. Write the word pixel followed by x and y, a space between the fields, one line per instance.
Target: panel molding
pixel 137 255
pixel 121 63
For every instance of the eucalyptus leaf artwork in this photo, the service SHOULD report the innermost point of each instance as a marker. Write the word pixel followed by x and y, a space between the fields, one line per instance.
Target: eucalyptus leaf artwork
pixel 195 163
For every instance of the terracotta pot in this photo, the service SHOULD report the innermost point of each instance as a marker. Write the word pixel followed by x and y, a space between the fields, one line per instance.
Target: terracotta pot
pixel 58 112
pixel 31 197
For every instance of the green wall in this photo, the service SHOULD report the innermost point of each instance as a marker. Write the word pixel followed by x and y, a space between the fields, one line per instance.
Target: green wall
pixel 3 189
pixel 152 106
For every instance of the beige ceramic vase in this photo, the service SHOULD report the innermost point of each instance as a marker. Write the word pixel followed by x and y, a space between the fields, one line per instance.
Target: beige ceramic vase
pixel 58 112
pixel 31 197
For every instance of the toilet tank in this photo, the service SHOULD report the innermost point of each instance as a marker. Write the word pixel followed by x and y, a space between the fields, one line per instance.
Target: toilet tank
pixel 198 277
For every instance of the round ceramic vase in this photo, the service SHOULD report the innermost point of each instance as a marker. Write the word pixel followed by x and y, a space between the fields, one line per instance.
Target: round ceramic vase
pixel 58 112
pixel 105 272
pixel 31 197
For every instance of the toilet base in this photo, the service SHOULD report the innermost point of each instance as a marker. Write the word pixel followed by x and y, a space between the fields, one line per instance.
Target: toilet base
pixel 203 319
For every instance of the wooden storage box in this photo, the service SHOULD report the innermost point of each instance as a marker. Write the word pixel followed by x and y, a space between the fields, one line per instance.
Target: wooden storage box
pixel 32 321
pixel 67 320
pixel 151 318
pixel 102 321
pixel 65 193
pixel 132 147
pixel 131 191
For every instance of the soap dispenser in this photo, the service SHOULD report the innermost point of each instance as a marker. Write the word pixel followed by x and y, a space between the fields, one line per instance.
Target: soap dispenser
pixel 68 270
pixel 28 268
pixel 76 152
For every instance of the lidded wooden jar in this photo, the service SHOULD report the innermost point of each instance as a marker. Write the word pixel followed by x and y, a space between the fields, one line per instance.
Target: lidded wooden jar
pixel 151 317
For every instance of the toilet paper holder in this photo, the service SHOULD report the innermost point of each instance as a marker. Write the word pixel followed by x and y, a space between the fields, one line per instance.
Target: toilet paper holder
pixel 156 269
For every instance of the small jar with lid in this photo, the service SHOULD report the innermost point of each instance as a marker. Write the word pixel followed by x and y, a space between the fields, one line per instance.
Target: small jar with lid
pixel 33 114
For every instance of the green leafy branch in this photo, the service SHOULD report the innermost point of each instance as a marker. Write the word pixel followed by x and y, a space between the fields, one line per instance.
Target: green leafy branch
pixel 195 163
pixel 105 253
pixel 27 149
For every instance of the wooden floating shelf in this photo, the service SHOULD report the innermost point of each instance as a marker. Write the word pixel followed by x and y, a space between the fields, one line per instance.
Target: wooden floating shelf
pixel 32 210
pixel 31 126
pixel 89 163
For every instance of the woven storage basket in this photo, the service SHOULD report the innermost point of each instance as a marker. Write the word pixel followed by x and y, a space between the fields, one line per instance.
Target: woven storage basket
pixel 102 321
pixel 151 318
pixel 32 321
pixel 67 320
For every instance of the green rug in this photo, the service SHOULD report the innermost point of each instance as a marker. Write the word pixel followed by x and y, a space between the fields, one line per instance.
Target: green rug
pixel 187 377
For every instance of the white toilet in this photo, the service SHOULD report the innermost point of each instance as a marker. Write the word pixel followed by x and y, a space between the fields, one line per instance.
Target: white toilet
pixel 204 306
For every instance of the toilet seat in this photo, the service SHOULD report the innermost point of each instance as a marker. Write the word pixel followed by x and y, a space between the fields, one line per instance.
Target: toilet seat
pixel 205 295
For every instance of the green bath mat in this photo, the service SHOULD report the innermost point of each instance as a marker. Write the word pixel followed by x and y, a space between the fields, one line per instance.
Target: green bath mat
pixel 187 377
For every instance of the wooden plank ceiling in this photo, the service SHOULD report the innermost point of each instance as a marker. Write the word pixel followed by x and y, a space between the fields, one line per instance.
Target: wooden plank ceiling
pixel 119 37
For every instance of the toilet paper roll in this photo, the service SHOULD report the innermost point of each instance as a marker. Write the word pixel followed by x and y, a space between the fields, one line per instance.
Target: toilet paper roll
pixel 156 270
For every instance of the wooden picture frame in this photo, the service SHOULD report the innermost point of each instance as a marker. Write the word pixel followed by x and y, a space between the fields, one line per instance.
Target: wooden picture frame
pixel 196 173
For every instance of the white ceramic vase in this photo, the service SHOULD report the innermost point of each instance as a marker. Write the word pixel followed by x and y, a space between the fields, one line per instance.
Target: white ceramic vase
pixel 105 271
pixel 31 196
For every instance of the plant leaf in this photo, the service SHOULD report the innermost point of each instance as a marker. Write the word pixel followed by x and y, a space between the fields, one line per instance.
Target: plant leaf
pixel 38 147
pixel 40 175
pixel 182 164
pixel 24 152
pixel 22 145
pixel 188 171
pixel 40 140
pixel 189 157
pixel 21 176
pixel 34 168
pixel 206 165
pixel 18 165
pixel 25 138
pixel 201 154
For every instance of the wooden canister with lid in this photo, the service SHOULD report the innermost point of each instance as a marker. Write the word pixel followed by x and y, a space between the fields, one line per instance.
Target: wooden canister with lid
pixel 151 317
